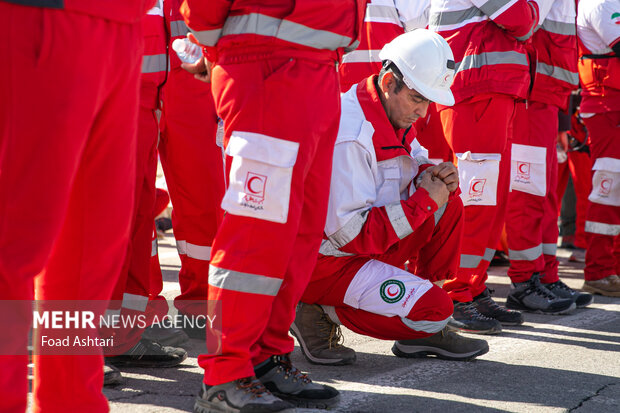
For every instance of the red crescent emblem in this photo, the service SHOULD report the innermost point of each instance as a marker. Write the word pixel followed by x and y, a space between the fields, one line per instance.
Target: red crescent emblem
pixel 474 186
pixel 389 291
pixel 251 181
pixel 520 167
pixel 606 184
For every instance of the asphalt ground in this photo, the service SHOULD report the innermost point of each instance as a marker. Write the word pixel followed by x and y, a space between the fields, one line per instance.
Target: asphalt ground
pixel 550 364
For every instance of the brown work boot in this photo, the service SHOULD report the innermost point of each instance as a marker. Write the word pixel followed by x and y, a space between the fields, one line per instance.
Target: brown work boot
pixel 609 286
pixel 320 339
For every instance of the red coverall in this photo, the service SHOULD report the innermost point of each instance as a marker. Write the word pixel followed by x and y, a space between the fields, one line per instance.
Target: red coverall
pixel 531 217
pixel 492 72
pixel 141 275
pixel 376 222
pixel 278 94
pixel 384 20
pixel 68 115
pixel 599 71
pixel 194 169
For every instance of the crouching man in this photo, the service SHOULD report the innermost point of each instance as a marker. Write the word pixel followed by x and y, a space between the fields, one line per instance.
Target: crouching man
pixel 394 219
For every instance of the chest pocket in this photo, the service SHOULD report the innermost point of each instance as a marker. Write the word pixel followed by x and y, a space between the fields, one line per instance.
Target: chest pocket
pixel 389 184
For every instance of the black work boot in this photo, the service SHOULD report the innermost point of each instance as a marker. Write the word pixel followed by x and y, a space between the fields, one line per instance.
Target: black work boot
pixel 288 383
pixel 532 296
pixel 467 318
pixel 488 307
pixel 564 291
pixel 148 353
pixel 446 344
pixel 247 395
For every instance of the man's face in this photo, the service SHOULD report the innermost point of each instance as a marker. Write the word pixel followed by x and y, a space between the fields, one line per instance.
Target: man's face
pixel 402 108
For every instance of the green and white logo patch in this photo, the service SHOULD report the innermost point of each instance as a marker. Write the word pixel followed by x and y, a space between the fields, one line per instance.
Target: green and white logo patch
pixel 616 18
pixel 392 291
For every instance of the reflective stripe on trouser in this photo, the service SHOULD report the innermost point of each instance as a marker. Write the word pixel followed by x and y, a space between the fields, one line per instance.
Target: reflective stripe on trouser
pixel 134 284
pixel 482 223
pixel 603 221
pixel 255 326
pixel 430 252
pixel 531 219
pixel 193 167
pixel 66 187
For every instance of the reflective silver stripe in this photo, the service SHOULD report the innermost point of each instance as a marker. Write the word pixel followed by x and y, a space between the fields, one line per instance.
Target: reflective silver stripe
pixel 439 213
pixel 256 23
pixel 207 37
pixel 361 56
pixel 154 63
pixel 154 247
pixel 398 219
pixel 550 249
pixel 134 302
pixel 198 252
pixel 567 29
pixel 602 229
pixel 558 73
pixel 178 28
pixel 493 6
pixel 382 14
pixel 470 261
pixel 327 248
pixel 528 35
pixel 529 254
pixel 447 18
pixel 425 325
pixel 243 282
pixel 350 230
pixel 491 58
pixel 489 253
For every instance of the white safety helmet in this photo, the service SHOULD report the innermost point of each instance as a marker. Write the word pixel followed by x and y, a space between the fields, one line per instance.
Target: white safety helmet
pixel 426 62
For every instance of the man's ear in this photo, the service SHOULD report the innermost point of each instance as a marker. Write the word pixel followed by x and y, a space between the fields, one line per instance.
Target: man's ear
pixel 387 82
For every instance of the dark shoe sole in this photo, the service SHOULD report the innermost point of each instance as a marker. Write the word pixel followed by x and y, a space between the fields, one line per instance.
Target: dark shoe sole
pixel 424 351
pixel 122 361
pixel 308 403
pixel 316 360
pixel 490 331
pixel 513 304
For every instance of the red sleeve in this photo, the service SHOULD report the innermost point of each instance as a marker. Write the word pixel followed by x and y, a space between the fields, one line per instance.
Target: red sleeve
pixel 379 231
pixel 206 19
pixel 519 20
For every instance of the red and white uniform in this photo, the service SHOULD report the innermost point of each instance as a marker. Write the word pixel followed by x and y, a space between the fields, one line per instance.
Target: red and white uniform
pixel 141 266
pixel 67 150
pixel 376 222
pixel 598 28
pixel 193 167
pixel 276 89
pixel 384 20
pixel 492 72
pixel 531 218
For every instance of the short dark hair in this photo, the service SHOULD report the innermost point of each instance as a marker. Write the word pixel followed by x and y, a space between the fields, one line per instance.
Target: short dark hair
pixel 390 67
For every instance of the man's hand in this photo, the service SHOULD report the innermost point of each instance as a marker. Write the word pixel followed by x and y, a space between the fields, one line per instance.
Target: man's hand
pixel 436 188
pixel 447 173
pixel 202 68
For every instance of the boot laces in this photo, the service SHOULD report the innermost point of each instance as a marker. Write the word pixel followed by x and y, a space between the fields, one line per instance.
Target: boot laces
pixel 285 366
pixel 252 385
pixel 331 331
pixel 471 311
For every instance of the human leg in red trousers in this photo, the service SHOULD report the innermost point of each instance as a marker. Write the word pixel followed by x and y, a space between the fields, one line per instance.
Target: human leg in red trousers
pixel 67 152
pixel 603 218
pixel 194 171
pixel 266 247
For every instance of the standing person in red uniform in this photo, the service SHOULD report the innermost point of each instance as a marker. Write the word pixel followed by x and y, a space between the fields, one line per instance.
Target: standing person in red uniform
pixel 275 87
pixel 598 28
pixel 194 170
pixel 68 119
pixel 384 20
pixel 531 218
pixel 492 72
pixel 389 204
